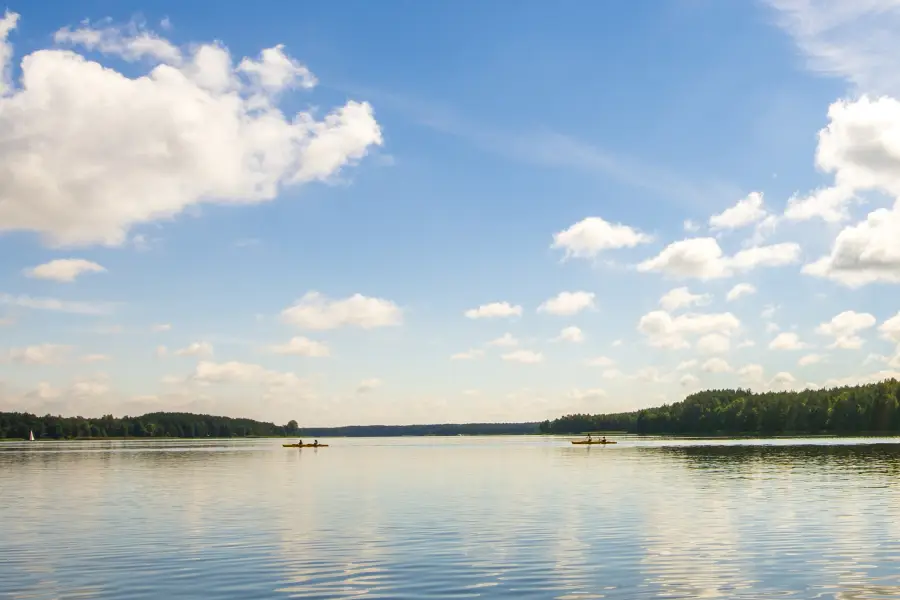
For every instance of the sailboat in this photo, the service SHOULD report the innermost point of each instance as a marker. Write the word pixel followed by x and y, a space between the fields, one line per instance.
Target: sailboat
pixel 30 436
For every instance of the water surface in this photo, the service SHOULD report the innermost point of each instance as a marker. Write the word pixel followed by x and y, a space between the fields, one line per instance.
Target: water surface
pixel 464 517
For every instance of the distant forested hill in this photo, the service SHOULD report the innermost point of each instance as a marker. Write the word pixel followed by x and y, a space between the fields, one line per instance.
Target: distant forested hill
pixel 161 424
pixel 188 425
pixel 872 408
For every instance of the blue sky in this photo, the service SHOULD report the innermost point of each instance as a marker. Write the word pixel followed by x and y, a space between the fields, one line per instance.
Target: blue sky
pixel 505 153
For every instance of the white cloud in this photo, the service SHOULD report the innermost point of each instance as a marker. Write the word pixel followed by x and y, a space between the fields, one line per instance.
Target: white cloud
pixel 681 297
pixel 568 303
pixel 234 372
pixel 746 212
pixel 746 344
pixel 740 290
pixel 472 354
pixel 772 327
pixel 194 129
pixel 90 387
pixel 612 374
pixel 276 71
pixel 90 358
pixel 592 235
pixel 786 341
pixel 617 343
pixel 864 253
pixel 63 269
pixel 828 204
pixel 686 364
pixel 782 380
pixel 590 394
pixel 162 327
pixel 161 351
pixel 368 385
pixel 691 226
pixel 810 359
pixel 769 311
pixel 714 343
pixel 751 373
pixel 7 24
pixel 53 304
pixel 844 328
pixel 702 258
pixel 494 310
pixel 571 334
pixel 315 311
pixel 648 374
pixel 506 340
pixel 716 365
pixel 41 354
pixel 600 361
pixel 133 44
pixel 688 380
pixel 301 346
pixel 524 356
pixel 665 331
pixel 203 349
pixel 890 329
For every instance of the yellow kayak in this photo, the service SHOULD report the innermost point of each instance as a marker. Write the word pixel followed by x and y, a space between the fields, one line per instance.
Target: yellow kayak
pixel 305 445
pixel 585 442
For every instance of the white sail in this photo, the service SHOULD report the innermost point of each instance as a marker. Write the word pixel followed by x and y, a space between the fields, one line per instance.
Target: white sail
pixel 31 436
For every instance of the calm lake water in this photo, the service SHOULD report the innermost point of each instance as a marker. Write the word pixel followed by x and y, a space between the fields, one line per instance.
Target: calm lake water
pixel 519 517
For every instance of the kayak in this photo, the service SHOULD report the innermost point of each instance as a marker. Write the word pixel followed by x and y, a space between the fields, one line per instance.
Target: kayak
pixel 305 445
pixel 585 442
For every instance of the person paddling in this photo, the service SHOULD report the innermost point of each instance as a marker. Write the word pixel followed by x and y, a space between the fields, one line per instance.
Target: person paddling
pixel 316 444
pixel 589 438
pixel 299 443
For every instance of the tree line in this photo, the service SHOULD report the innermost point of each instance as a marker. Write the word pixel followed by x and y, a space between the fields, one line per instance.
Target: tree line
pixel 159 424
pixel 870 408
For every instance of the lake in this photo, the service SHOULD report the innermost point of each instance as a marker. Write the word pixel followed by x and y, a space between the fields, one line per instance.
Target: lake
pixel 463 517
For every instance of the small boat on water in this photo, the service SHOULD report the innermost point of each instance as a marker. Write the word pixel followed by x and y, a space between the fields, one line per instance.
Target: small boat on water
pixel 305 445
pixel 591 442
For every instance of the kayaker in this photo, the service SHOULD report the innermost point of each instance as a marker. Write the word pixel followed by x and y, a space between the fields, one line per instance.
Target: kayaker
pixel 299 442
pixel 589 438
pixel 603 441
pixel 315 443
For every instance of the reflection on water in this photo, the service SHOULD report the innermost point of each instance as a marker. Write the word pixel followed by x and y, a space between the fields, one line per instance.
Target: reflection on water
pixel 523 517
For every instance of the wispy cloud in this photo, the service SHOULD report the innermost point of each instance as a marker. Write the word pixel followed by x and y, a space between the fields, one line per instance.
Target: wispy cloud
pixel 54 304
pixel 852 39
pixel 553 149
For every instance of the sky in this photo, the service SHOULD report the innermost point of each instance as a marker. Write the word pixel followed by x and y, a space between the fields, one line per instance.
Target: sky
pixel 432 212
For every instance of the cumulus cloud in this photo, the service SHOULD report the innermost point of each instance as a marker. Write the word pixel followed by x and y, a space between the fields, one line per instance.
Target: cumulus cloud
pixel 472 354
pixel 41 354
pixel 590 236
pixel 665 331
pixel 890 329
pixel 506 340
pixel 740 290
pixel 746 212
pixel 524 356
pixel 589 394
pixel 751 373
pixel 301 346
pixel 63 269
pixel 316 311
pixel 568 303
pixel 686 364
pixel 203 349
pixel 844 328
pixel 682 297
pixel 865 253
pixel 87 152
pixel 571 334
pixel 90 358
pixel 716 365
pixel 786 341
pixel 714 343
pixel 782 380
pixel 600 361
pixel 368 385
pixel 702 258
pixel 810 359
pixel 689 380
pixel 234 372
pixel 494 310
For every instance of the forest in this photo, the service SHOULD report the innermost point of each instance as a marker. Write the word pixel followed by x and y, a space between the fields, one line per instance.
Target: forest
pixel 160 424
pixel 188 425
pixel 870 408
